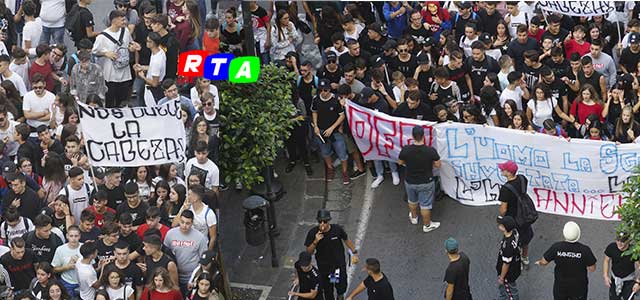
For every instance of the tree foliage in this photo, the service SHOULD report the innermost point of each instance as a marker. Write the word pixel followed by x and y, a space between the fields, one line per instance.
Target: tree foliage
pixel 255 121
pixel 630 213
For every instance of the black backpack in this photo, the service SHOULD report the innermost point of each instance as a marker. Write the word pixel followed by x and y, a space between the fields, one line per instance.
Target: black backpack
pixel 527 213
pixel 72 23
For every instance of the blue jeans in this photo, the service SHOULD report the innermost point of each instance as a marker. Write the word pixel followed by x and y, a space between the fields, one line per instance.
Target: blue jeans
pixel 421 193
pixel 48 33
pixel 380 167
pixel 333 143
pixel 72 289
pixel 508 291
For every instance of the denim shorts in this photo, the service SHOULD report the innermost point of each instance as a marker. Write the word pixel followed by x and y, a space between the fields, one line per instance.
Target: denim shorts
pixel 421 194
pixel 333 143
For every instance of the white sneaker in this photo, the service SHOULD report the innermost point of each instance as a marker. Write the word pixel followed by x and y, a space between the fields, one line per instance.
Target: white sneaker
pixel 396 178
pixel 431 227
pixel 413 220
pixel 376 183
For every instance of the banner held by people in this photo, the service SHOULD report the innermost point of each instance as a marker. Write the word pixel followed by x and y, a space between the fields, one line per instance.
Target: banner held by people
pixel 129 137
pixel 577 178
pixel 578 8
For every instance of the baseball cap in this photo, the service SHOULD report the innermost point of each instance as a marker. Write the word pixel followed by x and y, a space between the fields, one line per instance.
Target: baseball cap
pixel 332 56
pixel 389 44
pixel 451 244
pixel 377 61
pixel 323 215
pixel 304 259
pixel 571 232
pixel 207 257
pixel 98 172
pixel 509 166
pixel 324 84
pixel 622 236
pixel 634 38
pixel 508 222
pixel 377 27
pixel 9 170
pixel 47 211
pixel 485 37
pixel 365 94
pixel 429 41
pixel 465 4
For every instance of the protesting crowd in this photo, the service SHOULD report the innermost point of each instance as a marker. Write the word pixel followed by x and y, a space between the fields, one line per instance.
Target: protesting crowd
pixel 73 230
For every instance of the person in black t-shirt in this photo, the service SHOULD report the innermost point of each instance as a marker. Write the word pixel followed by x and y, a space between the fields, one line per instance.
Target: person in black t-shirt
pixel 127 233
pixel 88 230
pixel 622 281
pixel 106 245
pixel 419 182
pixel 344 94
pixel 414 108
pixel 113 186
pixel 134 205
pixel 41 241
pixel 22 197
pixel 168 43
pixel 424 72
pixel 631 55
pixel 140 34
pixel 457 274
pixel 573 260
pixel 86 24
pixel 509 205
pixel 508 264
pixel 18 264
pixel 326 240
pixel 377 284
pixel 478 66
pixel 354 52
pixel 307 277
pixel 133 276
pixel 331 71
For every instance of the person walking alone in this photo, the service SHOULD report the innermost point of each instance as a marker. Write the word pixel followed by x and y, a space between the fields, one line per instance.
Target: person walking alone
pixel 457 274
pixel 508 264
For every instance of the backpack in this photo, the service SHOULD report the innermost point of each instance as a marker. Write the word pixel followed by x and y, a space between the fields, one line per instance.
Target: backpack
pixel 527 213
pixel 122 61
pixel 73 23
pixel 86 187
pixel 5 228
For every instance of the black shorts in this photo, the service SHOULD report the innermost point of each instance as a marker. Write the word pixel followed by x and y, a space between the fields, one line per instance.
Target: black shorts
pixel 526 235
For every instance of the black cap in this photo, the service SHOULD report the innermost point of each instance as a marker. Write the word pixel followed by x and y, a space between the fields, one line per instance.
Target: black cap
pixel 377 27
pixel 9 170
pixel 48 211
pixel 332 56
pixel 634 38
pixel 207 257
pixel 508 222
pixel 429 41
pixel 485 37
pixel 98 172
pixel 42 128
pixel 365 94
pixel 377 61
pixel 324 84
pixel 389 44
pixel 323 215
pixel 465 4
pixel 304 259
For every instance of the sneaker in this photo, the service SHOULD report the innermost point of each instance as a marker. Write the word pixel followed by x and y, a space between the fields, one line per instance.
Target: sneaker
pixel 290 167
pixel 525 263
pixel 308 169
pixel 376 183
pixel 345 178
pixel 330 174
pixel 431 227
pixel 357 174
pixel 413 220
pixel 396 178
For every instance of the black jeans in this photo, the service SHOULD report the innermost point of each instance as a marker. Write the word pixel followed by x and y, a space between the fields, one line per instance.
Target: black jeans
pixel 297 143
pixel 626 290
pixel 565 293
pixel 328 287
pixel 117 93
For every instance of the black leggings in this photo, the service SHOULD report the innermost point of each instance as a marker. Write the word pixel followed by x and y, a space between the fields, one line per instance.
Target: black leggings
pixel 297 143
pixel 327 287
pixel 117 93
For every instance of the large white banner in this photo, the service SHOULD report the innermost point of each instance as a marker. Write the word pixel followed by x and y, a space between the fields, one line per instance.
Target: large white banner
pixel 578 178
pixel 578 8
pixel 129 137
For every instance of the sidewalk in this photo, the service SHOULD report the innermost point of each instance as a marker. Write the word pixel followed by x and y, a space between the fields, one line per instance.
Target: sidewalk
pixel 249 268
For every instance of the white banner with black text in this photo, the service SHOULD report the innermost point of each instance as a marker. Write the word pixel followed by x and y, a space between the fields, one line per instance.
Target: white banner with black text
pixel 578 8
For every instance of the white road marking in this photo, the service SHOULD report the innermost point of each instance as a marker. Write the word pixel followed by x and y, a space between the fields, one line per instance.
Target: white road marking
pixel 365 215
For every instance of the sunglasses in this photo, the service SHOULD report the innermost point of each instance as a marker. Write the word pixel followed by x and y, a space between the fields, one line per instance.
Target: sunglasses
pixel 323 221
pixel 403 50
pixel 331 61
pixel 208 104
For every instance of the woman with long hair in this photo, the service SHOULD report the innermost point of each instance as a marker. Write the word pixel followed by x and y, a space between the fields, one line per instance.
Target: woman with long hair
pixel 587 103
pixel 113 282
pixel 519 121
pixel 169 173
pixel 330 22
pixel 202 86
pixel 177 195
pixel 231 34
pixel 627 129
pixel 161 200
pixel 188 28
pixel 205 288
pixel 490 105
pixel 471 114
pixel 71 116
pixel 284 36
pixel 542 106
pixel 161 287
pixel 54 176
pixel 24 165
pixel 503 37
pixel 142 176
pixel 62 103
pixel 13 99
pixel 57 291
pixel 44 276
pixel 62 217
pixel 200 131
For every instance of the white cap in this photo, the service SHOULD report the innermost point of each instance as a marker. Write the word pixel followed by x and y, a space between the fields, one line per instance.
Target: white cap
pixel 571 232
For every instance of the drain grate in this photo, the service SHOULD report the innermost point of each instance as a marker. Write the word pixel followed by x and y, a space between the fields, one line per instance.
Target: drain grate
pixel 243 291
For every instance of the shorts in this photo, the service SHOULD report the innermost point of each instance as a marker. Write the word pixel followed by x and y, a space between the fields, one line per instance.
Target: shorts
pixel 526 235
pixel 421 194
pixel 333 143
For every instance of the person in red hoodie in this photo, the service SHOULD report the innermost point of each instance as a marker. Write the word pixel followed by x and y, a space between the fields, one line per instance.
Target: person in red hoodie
pixel 575 42
pixel 99 207
pixel 153 221
pixel 436 17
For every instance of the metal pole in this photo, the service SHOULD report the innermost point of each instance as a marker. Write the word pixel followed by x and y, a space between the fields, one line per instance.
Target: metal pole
pixel 249 42
pixel 271 216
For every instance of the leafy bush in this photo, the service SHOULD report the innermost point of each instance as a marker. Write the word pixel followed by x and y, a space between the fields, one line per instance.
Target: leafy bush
pixel 630 213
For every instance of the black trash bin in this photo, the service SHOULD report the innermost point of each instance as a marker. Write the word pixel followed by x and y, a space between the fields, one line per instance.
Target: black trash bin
pixel 254 220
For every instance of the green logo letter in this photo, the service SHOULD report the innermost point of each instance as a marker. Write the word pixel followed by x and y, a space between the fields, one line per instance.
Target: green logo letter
pixel 244 69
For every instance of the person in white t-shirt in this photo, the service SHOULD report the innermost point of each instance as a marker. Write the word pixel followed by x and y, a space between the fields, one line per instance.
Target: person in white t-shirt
pixel 32 28
pixel 202 165
pixel 205 219
pixel 7 74
pixel 77 192
pixel 204 85
pixel 52 14
pixel 117 79
pixel 87 276
pixel 65 258
pixel 7 136
pixel 37 105
pixel 154 73
pixel 515 17
pixel 14 225
pixel 516 90
pixel 20 65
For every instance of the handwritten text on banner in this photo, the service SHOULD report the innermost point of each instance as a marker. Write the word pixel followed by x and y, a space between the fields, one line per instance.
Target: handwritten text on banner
pixel 578 178
pixel 129 137
pixel 578 8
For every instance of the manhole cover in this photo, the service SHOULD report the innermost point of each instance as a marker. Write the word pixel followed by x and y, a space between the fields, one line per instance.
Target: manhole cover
pixel 249 292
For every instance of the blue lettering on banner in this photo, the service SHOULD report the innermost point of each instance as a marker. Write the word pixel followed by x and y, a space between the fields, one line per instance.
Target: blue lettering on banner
pixel 611 160
pixel 454 150
pixel 581 164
